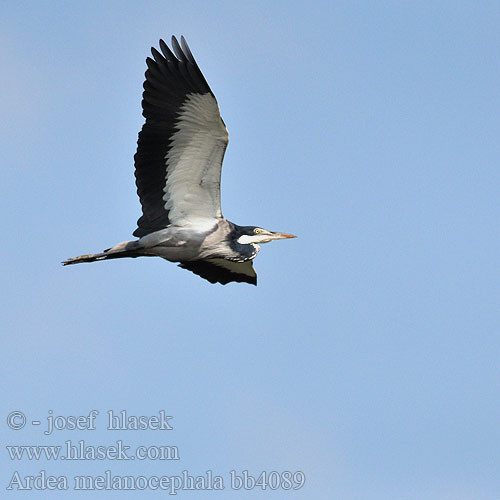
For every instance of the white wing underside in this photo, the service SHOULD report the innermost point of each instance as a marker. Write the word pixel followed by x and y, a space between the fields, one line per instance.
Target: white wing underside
pixel 194 161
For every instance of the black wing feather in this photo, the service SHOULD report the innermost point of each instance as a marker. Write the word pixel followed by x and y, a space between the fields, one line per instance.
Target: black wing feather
pixel 217 274
pixel 169 79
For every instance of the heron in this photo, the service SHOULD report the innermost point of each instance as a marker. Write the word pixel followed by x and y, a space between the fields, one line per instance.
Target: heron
pixel 178 170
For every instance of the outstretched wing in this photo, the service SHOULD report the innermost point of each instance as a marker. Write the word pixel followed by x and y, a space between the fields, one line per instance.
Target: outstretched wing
pixel 222 271
pixel 181 145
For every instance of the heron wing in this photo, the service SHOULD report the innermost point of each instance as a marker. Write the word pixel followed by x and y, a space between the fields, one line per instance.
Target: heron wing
pixel 222 271
pixel 181 145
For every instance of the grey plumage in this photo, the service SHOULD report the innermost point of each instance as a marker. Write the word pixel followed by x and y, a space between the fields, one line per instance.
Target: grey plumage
pixel 177 168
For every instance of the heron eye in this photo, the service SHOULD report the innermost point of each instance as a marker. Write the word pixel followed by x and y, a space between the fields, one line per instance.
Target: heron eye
pixel 257 230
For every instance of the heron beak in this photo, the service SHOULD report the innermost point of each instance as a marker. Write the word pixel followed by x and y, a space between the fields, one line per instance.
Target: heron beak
pixel 282 236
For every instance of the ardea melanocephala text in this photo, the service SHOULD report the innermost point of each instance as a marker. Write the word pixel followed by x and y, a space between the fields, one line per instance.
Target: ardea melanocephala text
pixel 177 169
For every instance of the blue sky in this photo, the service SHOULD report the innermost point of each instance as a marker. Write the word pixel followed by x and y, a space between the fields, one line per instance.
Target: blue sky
pixel 367 357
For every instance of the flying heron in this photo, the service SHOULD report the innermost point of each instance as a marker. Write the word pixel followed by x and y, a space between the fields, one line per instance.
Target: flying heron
pixel 177 169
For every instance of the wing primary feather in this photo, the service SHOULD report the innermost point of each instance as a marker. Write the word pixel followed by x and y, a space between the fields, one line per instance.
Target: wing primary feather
pixel 151 64
pixel 169 56
pixel 184 73
pixel 157 56
pixel 187 51
pixel 177 50
pixel 192 60
pixel 194 76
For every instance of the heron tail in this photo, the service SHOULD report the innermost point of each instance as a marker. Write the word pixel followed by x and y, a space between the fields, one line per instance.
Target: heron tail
pixel 125 249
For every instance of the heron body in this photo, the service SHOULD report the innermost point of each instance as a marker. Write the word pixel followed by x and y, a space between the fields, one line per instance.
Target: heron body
pixel 178 168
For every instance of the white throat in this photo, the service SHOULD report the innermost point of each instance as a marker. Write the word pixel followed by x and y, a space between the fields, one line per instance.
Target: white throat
pixel 247 239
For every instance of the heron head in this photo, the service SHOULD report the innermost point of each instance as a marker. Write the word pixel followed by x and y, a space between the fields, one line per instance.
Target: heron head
pixel 256 235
